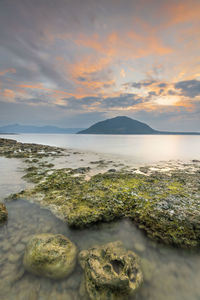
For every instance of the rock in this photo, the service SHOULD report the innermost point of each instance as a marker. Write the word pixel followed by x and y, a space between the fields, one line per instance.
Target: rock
pixel 13 258
pixel 25 239
pixel 3 213
pixel 112 170
pixel 164 202
pixel 111 272
pixel 49 255
pixel 82 170
pixel 19 248
pixel 6 246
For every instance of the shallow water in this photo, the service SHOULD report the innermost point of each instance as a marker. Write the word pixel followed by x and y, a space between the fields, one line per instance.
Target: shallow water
pixel 168 273
pixel 134 148
pixel 11 176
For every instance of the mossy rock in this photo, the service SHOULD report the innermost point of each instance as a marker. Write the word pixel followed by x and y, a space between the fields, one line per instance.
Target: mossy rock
pixel 110 272
pixel 3 213
pixel 165 206
pixel 50 255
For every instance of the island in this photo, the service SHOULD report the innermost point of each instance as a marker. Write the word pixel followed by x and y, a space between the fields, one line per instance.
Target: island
pixel 126 125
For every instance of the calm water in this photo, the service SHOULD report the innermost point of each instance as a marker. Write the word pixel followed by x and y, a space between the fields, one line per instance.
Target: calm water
pixel 140 148
pixel 169 274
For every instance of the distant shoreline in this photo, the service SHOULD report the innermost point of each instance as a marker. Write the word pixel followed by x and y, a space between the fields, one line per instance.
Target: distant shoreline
pixel 156 133
pixel 4 133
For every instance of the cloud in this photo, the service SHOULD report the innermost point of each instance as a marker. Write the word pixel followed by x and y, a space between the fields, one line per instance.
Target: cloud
pixel 80 57
pixel 8 94
pixel 139 85
pixel 162 84
pixel 180 11
pixel 189 88
pixel 122 101
pixel 10 70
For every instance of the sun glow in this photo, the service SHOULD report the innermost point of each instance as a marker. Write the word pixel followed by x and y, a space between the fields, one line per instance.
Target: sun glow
pixel 167 100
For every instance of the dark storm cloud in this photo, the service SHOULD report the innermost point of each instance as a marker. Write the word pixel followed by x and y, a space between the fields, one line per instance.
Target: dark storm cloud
pixel 189 88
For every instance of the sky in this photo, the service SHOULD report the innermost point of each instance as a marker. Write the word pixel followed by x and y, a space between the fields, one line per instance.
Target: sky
pixel 71 63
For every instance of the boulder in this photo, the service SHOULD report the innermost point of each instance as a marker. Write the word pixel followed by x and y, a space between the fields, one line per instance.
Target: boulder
pixel 50 255
pixel 110 272
pixel 3 213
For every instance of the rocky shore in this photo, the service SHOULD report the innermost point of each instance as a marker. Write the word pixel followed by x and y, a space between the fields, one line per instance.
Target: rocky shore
pixel 166 205
pixel 162 201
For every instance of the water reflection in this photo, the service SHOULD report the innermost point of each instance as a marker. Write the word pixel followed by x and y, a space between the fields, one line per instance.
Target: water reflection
pixel 140 148
pixel 168 273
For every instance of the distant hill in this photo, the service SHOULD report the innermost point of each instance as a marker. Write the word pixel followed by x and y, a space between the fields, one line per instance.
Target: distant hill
pixel 125 125
pixel 17 128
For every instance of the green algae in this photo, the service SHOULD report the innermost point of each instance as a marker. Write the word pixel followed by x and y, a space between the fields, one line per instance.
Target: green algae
pixel 30 152
pixel 3 213
pixel 50 255
pixel 165 205
pixel 167 209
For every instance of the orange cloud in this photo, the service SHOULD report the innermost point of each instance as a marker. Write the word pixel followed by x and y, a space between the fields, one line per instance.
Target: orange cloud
pixel 91 75
pixel 38 86
pixel 10 70
pixel 126 44
pixel 184 11
pixel 8 95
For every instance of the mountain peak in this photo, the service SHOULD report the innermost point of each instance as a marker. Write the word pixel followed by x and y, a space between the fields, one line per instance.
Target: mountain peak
pixel 119 125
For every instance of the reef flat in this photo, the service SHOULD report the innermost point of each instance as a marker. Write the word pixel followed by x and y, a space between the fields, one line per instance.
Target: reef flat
pixel 165 204
pixel 12 149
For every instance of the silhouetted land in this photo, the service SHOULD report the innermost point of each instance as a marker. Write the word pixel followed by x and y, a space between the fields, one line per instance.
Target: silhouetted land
pixel 125 125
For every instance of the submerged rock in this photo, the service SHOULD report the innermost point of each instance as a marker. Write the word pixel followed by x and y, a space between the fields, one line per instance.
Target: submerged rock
pixel 3 213
pixel 50 255
pixel 110 272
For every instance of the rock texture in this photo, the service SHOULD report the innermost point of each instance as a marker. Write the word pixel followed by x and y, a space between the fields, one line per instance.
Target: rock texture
pixel 110 272
pixel 3 213
pixel 49 255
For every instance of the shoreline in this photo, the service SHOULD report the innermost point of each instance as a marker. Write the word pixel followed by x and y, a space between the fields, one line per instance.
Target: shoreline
pixel 155 198
pixel 134 150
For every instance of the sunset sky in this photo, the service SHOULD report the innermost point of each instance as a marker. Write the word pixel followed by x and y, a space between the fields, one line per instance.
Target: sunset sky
pixel 71 63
